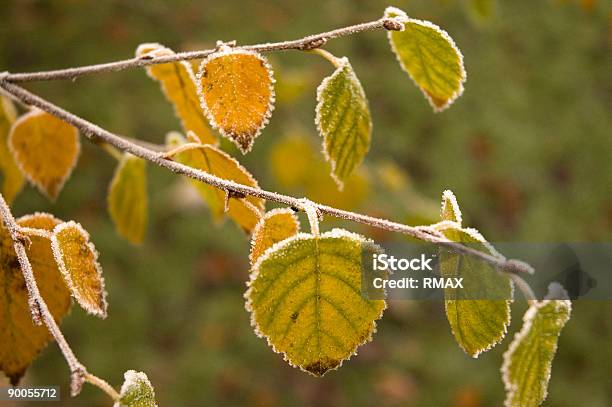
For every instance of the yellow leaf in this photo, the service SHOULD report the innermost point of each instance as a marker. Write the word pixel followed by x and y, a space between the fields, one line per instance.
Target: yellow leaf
pixel 276 225
pixel 237 93
pixel 128 200
pixel 244 211
pixel 78 261
pixel 12 178
pixel 178 84
pixel 431 58
pixel 21 341
pixel 46 150
pixel 305 297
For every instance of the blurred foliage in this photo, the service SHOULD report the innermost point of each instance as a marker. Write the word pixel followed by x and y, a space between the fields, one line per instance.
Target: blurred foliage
pixel 526 149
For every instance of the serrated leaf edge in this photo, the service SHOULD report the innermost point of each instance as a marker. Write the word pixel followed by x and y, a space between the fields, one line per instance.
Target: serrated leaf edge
pixel 334 233
pixel 131 378
pixel 528 318
pixel 32 113
pixel 208 113
pixel 476 235
pixel 262 222
pixel 161 50
pixel 57 254
pixel 448 197
pixel 343 63
pixel 406 20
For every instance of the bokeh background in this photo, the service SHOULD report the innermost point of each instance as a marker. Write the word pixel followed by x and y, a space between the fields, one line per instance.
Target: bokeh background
pixel 526 149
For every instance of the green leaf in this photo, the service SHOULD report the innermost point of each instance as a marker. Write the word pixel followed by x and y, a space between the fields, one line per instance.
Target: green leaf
pixel 136 391
pixel 12 178
pixel 128 200
pixel 528 361
pixel 478 313
pixel 344 121
pixel 431 58
pixel 305 298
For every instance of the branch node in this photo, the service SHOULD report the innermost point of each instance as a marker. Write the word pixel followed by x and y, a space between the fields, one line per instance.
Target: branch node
pixel 77 378
pixel 313 44
pixel 222 46
pixel 231 194
pixel 35 311
pixel 393 24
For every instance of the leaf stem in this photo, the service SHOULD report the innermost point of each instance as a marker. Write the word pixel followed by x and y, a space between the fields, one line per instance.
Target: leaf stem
pixel 335 61
pixel 306 43
pixel 102 385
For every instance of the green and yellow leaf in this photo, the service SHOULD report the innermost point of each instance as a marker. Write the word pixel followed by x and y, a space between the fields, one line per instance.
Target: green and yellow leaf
pixel 305 297
pixel 136 391
pixel 128 202
pixel 478 313
pixel 46 150
pixel 178 83
pixel 21 340
pixel 77 259
pixel 246 211
pixel 344 121
pixel 276 225
pixel 12 178
pixel 431 58
pixel 236 89
pixel 528 361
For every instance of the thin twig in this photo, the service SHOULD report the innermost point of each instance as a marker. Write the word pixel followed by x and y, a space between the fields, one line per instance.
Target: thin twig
pixel 96 133
pixel 306 43
pixel 40 311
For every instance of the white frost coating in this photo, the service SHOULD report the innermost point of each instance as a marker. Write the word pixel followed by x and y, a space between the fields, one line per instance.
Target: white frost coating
pixel 341 64
pixel 553 289
pixel 556 291
pixel 313 216
pixel 155 50
pixel 258 229
pixel 33 113
pixel 389 11
pixel 133 379
pixel 57 254
pixel 448 198
pixel 334 233
pixel 266 117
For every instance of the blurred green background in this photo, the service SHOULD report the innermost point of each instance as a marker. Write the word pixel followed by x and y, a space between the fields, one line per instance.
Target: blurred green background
pixel 526 149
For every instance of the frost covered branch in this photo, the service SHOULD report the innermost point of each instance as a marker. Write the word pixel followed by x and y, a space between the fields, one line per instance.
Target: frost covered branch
pixel 98 135
pixel 306 43
pixel 40 311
